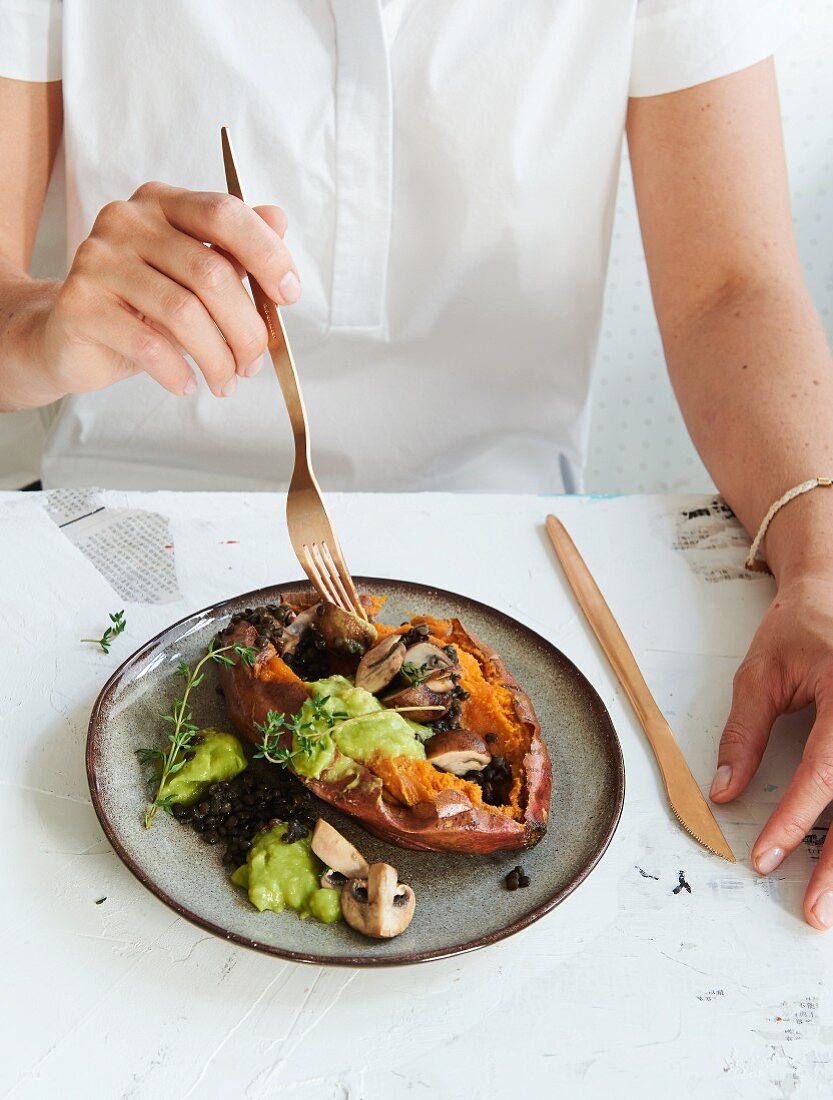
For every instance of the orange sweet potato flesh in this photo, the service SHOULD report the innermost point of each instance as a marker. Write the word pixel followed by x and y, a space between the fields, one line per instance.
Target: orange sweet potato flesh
pixel 408 801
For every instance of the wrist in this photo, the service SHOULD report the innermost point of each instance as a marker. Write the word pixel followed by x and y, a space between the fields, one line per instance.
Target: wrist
pixel 25 308
pixel 799 542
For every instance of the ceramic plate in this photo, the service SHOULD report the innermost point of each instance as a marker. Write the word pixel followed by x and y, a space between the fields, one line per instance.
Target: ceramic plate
pixel 462 903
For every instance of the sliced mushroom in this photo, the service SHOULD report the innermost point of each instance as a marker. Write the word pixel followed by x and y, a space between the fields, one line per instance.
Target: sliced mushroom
pixel 422 702
pixel 342 631
pixel 429 658
pixel 441 683
pixel 458 752
pixel 379 665
pixel 332 880
pixel 296 629
pixel 337 852
pixel 380 905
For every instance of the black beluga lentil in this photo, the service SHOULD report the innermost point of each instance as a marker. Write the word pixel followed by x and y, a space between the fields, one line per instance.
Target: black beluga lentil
pixel 517 877
pixel 311 659
pixel 449 721
pixel 416 634
pixel 235 810
pixel 495 781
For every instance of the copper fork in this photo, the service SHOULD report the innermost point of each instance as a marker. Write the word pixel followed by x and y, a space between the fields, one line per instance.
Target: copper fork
pixel 310 528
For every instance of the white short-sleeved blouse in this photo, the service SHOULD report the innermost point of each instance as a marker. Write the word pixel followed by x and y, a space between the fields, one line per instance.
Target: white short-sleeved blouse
pixel 449 170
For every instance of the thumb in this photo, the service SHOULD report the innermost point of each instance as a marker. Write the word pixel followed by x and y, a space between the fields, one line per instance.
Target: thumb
pixel 747 730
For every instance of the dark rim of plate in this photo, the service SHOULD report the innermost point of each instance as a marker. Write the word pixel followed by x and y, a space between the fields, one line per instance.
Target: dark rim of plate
pixel 266 595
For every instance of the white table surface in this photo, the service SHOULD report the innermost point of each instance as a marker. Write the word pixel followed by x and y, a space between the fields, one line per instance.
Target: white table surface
pixel 627 989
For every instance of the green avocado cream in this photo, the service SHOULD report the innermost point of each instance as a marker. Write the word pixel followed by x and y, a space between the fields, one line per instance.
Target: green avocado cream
pixel 219 757
pixel 282 876
pixel 351 719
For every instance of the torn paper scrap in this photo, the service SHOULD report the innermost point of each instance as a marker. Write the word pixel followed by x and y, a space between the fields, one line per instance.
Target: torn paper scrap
pixel 130 547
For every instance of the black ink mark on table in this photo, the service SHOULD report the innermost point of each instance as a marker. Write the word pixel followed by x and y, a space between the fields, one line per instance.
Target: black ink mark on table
pixel 682 884
pixel 645 873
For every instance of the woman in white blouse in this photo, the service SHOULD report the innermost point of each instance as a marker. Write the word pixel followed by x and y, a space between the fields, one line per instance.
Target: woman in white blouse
pixel 448 168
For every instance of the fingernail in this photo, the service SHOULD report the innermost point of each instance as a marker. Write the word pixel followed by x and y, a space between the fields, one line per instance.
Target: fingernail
pixel 289 287
pixel 767 861
pixel 823 909
pixel 190 386
pixel 722 779
pixel 230 386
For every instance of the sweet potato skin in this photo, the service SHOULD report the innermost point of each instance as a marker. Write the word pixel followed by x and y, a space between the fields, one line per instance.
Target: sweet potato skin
pixel 450 821
pixel 249 695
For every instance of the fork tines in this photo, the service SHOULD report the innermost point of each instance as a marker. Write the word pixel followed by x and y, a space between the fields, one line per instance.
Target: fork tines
pixel 331 578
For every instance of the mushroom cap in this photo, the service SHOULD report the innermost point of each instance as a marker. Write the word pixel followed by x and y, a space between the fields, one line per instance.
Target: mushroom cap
pixel 380 905
pixel 344 632
pixel 458 752
pixel 336 851
pixel 380 664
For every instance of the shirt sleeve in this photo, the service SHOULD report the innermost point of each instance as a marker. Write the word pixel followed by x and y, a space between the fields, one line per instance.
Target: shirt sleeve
pixel 680 43
pixel 30 39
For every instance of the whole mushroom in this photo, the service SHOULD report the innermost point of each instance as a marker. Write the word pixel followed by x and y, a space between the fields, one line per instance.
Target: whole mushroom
pixel 379 906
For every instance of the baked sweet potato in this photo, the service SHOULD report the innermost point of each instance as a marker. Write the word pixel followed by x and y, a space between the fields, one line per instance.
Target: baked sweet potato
pixel 479 718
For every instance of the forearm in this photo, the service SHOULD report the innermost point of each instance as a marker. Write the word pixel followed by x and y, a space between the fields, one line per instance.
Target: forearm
pixel 24 306
pixel 752 373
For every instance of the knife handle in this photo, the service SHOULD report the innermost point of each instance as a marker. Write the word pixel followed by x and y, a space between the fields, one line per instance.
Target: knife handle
pixel 612 641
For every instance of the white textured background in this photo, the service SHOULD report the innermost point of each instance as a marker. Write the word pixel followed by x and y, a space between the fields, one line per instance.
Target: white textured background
pixel 638 442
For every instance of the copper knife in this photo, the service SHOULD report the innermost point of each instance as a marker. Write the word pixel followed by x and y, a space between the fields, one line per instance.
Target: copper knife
pixel 684 795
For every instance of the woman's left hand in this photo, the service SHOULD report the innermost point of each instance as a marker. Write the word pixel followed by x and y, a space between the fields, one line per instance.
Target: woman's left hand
pixel 789 664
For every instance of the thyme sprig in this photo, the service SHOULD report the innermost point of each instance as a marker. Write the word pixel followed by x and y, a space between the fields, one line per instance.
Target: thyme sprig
pixel 172 759
pixel 272 731
pixel 416 674
pixel 319 714
pixel 301 733
pixel 277 725
pixel 106 640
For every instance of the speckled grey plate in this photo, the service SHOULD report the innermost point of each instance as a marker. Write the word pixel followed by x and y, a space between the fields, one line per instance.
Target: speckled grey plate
pixel 462 903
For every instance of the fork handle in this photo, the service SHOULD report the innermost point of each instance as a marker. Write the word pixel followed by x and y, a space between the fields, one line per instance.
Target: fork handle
pixel 278 345
pixel 284 364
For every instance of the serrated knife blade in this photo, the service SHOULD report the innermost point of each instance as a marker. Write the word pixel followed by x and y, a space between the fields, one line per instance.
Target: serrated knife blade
pixel 684 795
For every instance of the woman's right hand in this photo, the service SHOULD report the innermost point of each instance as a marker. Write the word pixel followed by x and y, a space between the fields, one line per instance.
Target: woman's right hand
pixel 144 289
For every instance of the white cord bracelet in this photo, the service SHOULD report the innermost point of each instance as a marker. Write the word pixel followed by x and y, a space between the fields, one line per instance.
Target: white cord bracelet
pixel 757 564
